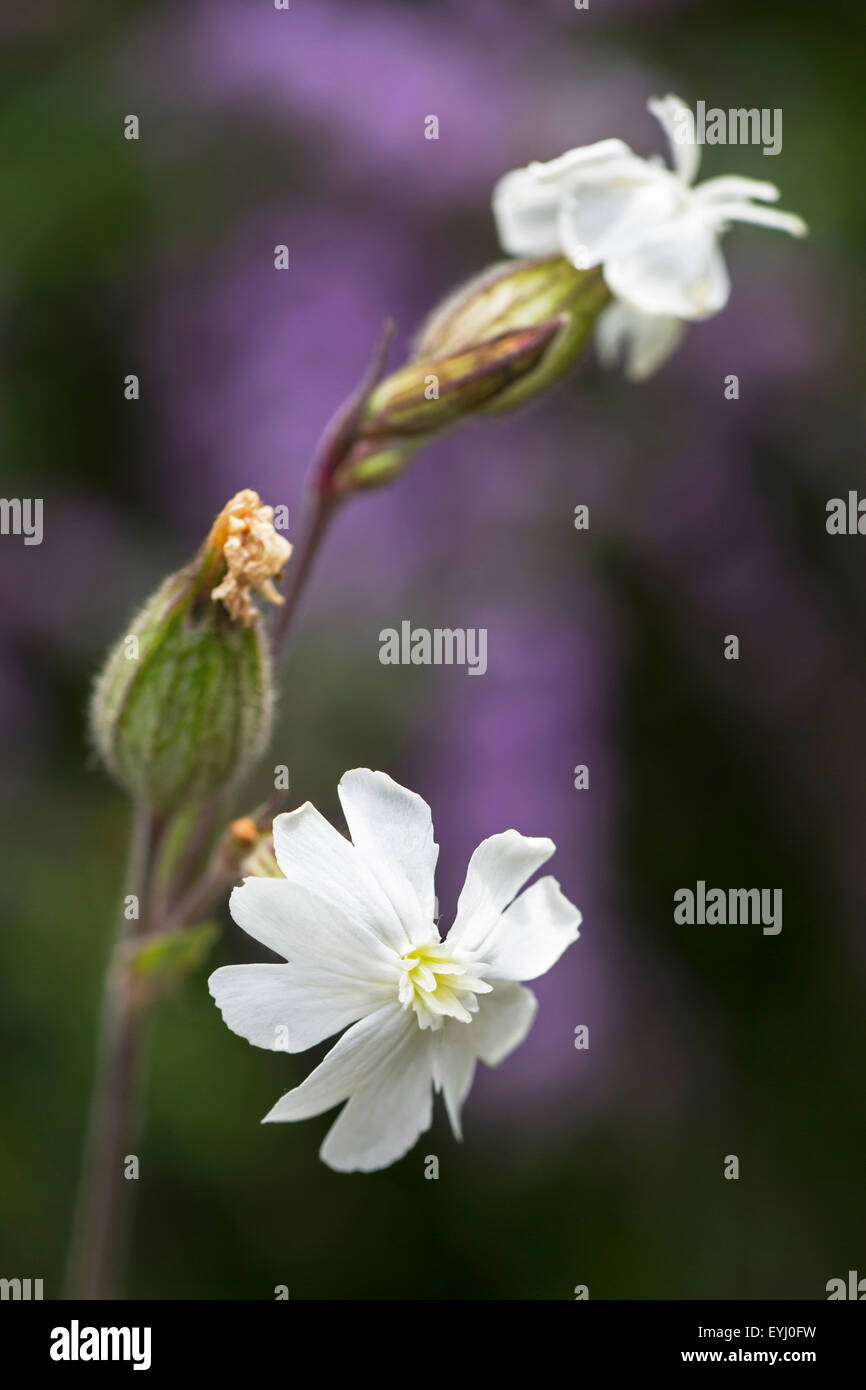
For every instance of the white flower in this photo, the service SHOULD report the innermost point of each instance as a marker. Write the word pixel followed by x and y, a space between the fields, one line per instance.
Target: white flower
pixel 356 921
pixel 656 237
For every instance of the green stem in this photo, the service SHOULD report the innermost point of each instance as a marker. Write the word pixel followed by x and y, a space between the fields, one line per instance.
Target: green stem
pixel 105 1196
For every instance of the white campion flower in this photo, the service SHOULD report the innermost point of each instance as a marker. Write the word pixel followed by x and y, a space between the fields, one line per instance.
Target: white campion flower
pixel 356 921
pixel 654 234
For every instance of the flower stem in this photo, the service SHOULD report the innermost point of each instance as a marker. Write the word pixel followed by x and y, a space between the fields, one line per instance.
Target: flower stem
pixel 322 497
pixel 105 1196
pixel 320 507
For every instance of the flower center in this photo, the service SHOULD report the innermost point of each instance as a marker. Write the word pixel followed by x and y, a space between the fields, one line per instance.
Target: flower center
pixel 438 987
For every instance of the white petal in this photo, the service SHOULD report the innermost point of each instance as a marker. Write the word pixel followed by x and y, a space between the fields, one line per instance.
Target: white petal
pixel 352 1063
pixel 678 122
pixel 596 220
pixel 384 1117
pixel 526 201
pixel 525 214
pixel 392 830
pixel 312 854
pixel 626 169
pixel 676 270
pixel 642 342
pixel 305 928
pixel 503 1020
pixel 734 186
pixel 288 1008
pixel 738 210
pixel 578 161
pixel 383 1066
pixel 532 933
pixel 454 1052
pixel 497 871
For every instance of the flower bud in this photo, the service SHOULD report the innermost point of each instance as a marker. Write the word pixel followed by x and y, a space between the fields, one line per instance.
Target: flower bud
pixel 261 862
pixel 183 704
pixel 516 294
pixel 492 345
pixel 248 848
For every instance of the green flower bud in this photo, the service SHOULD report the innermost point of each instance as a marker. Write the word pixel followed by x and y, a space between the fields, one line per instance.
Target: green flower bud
pixel 518 294
pixel 183 705
pixel 493 345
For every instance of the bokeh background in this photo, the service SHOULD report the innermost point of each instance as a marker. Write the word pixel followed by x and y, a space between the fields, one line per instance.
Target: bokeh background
pixel 707 517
